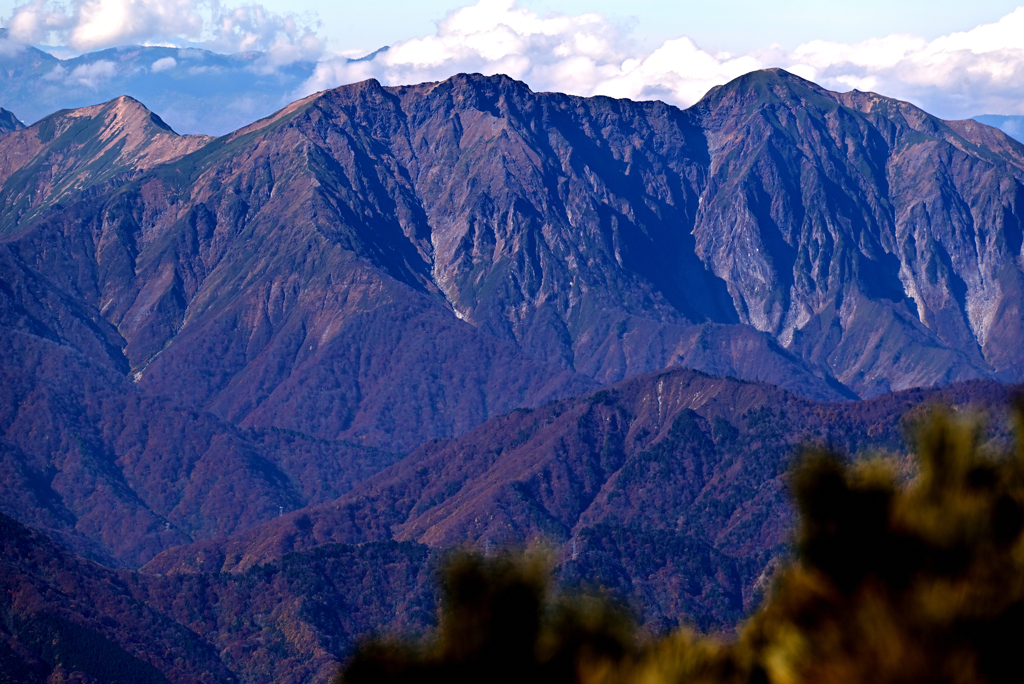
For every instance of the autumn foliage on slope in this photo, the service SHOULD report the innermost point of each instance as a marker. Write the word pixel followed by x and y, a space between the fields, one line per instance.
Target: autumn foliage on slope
pixel 893 582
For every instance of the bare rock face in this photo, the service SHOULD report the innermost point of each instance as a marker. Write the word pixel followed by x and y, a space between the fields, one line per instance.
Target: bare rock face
pixel 864 234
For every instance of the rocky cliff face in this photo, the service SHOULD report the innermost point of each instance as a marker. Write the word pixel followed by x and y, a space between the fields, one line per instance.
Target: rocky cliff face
pixel 864 234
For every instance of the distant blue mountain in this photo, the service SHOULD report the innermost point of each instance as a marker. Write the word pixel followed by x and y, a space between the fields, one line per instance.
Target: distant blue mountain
pixel 193 90
pixel 1012 126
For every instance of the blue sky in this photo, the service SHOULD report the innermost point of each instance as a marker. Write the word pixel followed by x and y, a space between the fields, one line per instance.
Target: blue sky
pixel 736 26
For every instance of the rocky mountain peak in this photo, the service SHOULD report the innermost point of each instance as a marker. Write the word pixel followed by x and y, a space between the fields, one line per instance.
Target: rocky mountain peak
pixel 125 124
pixel 71 150
pixel 759 89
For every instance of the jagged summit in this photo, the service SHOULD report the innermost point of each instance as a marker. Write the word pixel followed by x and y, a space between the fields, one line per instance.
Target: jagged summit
pixel 72 150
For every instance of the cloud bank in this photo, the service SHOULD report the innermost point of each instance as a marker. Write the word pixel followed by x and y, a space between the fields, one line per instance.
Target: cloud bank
pixel 86 25
pixel 958 75
pixel 954 76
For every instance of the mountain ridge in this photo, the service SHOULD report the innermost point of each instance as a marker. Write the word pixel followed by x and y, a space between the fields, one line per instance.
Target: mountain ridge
pixel 373 268
pixel 293 615
pixel 697 462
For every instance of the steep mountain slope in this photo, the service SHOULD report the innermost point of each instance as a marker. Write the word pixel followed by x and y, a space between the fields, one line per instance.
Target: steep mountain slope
pixel 1013 126
pixel 74 151
pixel 607 237
pixel 294 619
pixel 117 474
pixel 864 234
pixel 341 273
pixel 670 487
pixel 113 472
pixel 540 233
pixel 591 231
pixel 72 620
pixel 63 618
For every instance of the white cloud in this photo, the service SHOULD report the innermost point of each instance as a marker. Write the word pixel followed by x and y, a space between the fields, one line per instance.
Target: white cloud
pixel 494 36
pixel 34 21
pixel 959 75
pixel 252 28
pixel 89 75
pixel 94 24
pixel 9 48
pixel 164 64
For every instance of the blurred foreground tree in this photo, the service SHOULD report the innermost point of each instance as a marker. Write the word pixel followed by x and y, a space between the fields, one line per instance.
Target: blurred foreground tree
pixel 893 583
pixel 499 626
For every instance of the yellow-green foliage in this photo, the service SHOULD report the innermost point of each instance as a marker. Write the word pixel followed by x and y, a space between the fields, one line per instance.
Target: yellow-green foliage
pixel 921 582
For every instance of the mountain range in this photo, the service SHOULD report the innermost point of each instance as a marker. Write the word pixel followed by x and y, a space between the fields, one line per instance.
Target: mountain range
pixel 386 321
pixel 193 89
pixel 665 492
